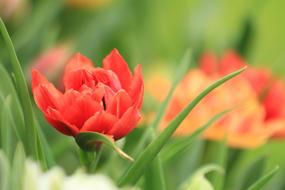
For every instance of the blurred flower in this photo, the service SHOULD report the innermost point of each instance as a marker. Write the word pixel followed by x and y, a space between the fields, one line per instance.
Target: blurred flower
pixel 105 100
pixel 88 3
pixel 56 179
pixel 51 62
pixel 254 96
pixel 11 8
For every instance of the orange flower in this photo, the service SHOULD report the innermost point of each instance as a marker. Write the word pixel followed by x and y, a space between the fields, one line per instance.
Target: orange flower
pixel 254 119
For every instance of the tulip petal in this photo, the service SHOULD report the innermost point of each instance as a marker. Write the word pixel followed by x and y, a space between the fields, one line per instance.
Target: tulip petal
pixel 56 119
pixel 108 94
pixel 119 103
pixel 136 89
pixel 274 102
pixel 78 61
pixel 126 124
pixel 231 62
pixel 44 92
pixel 101 122
pixel 208 63
pixel 76 78
pixel 115 62
pixel 76 108
pixel 107 77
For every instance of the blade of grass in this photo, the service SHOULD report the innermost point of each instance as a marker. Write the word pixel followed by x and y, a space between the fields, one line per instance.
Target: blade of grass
pixel 134 172
pixel 34 141
pixel 263 181
pixel 182 69
pixel 173 149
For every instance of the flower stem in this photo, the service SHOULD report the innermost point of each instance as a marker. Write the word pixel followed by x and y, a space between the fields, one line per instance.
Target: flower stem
pixel 95 162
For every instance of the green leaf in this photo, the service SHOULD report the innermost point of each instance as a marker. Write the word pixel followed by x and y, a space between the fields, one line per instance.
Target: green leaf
pixel 18 168
pixel 198 180
pixel 154 178
pixel 4 171
pixel 263 181
pixel 253 172
pixel 137 169
pixel 7 89
pixel 182 69
pixel 182 143
pixel 219 157
pixel 23 92
pixel 6 128
pixel 89 141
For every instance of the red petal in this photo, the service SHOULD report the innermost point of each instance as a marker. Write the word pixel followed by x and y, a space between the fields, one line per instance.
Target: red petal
pixel 96 93
pixel 258 78
pixel 274 102
pixel 56 119
pixel 115 62
pixel 76 108
pixel 126 124
pixel 231 62
pixel 136 90
pixel 45 94
pixel 108 93
pixel 107 77
pixel 119 103
pixel 208 63
pixel 101 122
pixel 76 78
pixel 78 61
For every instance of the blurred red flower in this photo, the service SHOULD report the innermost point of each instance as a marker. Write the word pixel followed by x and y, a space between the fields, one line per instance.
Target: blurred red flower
pixel 105 100
pixel 258 99
pixel 51 62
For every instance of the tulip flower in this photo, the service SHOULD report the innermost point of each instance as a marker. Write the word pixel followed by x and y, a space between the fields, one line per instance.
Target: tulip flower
pixel 258 99
pixel 104 100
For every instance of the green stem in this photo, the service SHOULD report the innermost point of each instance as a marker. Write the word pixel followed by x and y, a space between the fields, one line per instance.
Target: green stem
pixel 95 162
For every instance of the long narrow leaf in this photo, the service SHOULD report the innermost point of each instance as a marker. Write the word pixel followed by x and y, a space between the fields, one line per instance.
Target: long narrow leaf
pixel 135 171
pixel 219 157
pixel 183 67
pixel 34 141
pixel 6 128
pixel 154 178
pixel 182 143
pixel 16 114
pixel 253 172
pixel 262 181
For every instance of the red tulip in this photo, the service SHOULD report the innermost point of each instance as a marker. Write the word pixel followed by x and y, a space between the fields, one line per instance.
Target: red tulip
pixel 105 100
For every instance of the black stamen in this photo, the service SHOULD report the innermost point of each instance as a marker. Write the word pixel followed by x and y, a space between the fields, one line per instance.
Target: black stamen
pixel 104 103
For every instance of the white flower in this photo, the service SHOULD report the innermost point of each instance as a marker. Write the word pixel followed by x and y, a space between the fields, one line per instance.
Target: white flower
pixel 56 179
